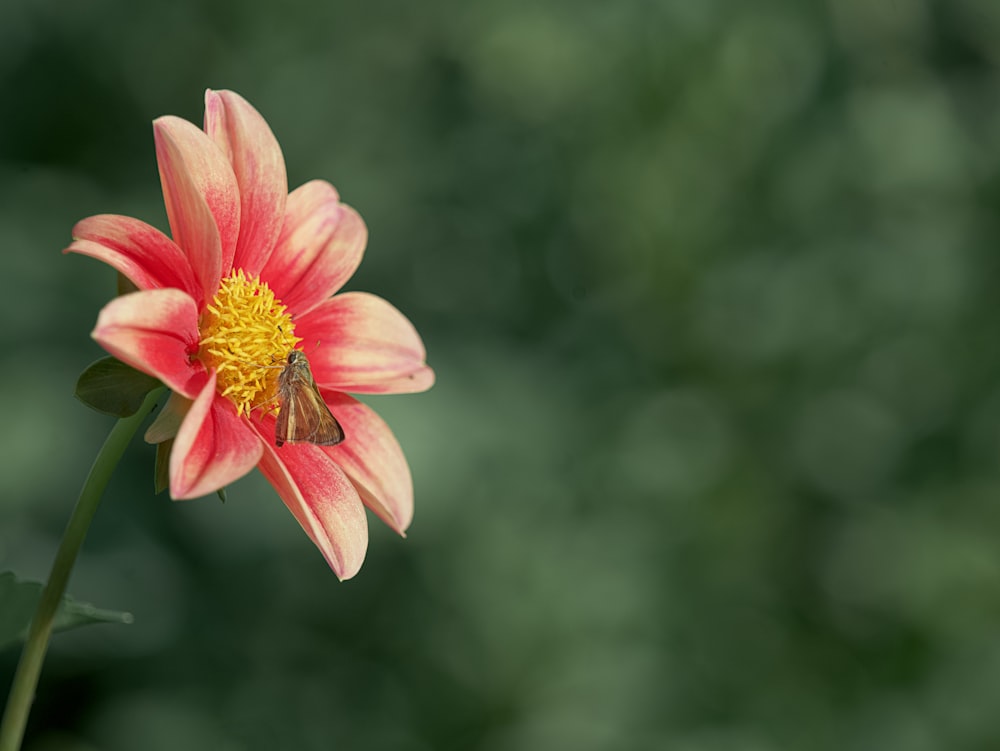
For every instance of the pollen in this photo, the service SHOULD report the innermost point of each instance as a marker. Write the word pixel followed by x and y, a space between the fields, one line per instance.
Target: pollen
pixel 246 335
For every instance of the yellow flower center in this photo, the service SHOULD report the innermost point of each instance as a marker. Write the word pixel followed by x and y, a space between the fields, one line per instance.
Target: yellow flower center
pixel 246 336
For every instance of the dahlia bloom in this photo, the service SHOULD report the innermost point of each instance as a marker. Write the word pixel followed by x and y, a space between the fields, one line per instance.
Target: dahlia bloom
pixel 250 276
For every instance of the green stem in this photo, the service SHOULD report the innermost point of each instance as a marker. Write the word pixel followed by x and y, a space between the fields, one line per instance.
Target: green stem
pixel 22 692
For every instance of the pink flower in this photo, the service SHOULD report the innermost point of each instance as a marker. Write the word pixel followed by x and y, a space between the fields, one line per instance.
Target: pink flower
pixel 249 276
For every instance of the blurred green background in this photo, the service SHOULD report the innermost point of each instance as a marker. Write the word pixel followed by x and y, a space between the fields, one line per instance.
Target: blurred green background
pixel 713 459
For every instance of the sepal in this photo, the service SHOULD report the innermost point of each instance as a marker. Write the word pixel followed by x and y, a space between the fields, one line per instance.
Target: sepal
pixel 161 472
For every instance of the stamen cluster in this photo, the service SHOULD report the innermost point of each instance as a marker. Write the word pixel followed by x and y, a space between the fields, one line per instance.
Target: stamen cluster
pixel 246 334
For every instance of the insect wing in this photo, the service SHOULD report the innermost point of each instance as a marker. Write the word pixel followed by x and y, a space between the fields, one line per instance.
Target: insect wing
pixel 303 416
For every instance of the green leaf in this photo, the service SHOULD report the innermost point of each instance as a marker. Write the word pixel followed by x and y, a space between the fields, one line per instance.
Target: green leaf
pixel 19 599
pixel 114 388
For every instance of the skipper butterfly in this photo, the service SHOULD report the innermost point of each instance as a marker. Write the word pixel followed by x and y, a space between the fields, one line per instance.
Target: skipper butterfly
pixel 303 416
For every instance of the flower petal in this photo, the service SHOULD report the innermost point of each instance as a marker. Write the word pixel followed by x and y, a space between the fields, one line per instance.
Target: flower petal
pixel 141 252
pixel 155 331
pixel 201 196
pixel 372 458
pixel 213 447
pixel 360 343
pixel 320 497
pixel 247 141
pixel 320 246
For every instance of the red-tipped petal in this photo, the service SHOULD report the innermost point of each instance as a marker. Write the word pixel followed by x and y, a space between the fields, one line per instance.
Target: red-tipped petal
pixel 358 342
pixel 141 252
pixel 321 498
pixel 320 247
pixel 155 331
pixel 372 458
pixel 247 141
pixel 201 197
pixel 213 447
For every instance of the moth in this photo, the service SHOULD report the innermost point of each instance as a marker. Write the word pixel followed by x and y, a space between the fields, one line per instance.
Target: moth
pixel 303 416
